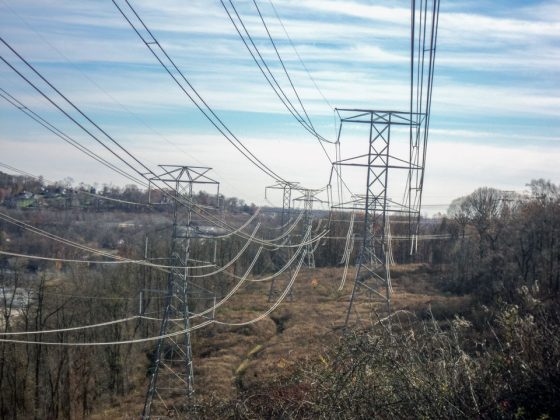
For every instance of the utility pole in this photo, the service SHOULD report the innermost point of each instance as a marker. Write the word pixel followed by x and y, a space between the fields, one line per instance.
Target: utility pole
pixel 171 374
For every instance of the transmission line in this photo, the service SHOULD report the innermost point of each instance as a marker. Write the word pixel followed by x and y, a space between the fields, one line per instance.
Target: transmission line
pixel 159 337
pixel 69 260
pixel 111 97
pixel 118 259
pixel 203 106
pixel 280 299
pixel 420 97
pixel 107 343
pixel 32 68
pixel 144 175
pixel 65 137
pixel 97 196
pixel 278 89
pixel 283 66
pixel 298 55
pixel 69 329
pixel 75 121
pixel 269 76
pixel 207 111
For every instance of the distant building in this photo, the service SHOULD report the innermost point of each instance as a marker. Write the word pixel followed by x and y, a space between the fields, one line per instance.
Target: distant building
pixel 23 200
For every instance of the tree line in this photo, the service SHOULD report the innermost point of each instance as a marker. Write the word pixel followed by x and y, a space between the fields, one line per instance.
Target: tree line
pixel 500 248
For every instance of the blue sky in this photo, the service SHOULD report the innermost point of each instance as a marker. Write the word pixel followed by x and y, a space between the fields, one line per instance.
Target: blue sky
pixel 495 113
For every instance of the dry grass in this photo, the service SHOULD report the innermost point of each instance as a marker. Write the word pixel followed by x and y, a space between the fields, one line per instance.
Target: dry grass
pixel 230 359
pixel 225 357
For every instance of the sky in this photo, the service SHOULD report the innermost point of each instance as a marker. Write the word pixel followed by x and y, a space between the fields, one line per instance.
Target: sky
pixel 494 118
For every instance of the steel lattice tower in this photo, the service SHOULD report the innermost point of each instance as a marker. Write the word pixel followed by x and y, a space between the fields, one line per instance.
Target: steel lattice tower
pixel 306 225
pixel 372 271
pixel 286 189
pixel 171 375
pixel 308 197
pixel 397 145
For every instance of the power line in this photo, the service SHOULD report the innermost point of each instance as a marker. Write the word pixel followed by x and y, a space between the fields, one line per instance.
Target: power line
pixel 247 223
pixel 111 97
pixel 278 89
pixel 32 68
pixel 70 260
pixel 106 343
pixel 280 299
pixel 162 336
pixel 268 75
pixel 298 55
pixel 204 214
pixel 65 137
pixel 284 99
pixel 89 132
pixel 79 328
pixel 203 107
pixel 235 258
pixel 118 259
pixel 283 65
pixel 41 232
pixel 97 196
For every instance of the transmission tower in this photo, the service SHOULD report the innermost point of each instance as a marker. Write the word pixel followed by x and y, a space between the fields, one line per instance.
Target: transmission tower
pixel 171 374
pixel 395 156
pixel 308 197
pixel 372 271
pixel 286 189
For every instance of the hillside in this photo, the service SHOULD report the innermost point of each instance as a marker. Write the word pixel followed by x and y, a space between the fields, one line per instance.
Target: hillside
pixel 473 329
pixel 230 360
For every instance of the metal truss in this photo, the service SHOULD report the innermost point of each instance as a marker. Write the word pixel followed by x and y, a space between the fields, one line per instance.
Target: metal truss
pixel 171 374
pixel 372 271
pixel 408 131
pixel 308 197
pixel 286 253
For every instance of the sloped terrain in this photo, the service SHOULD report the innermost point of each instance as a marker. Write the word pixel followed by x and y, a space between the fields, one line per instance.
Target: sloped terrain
pixel 232 359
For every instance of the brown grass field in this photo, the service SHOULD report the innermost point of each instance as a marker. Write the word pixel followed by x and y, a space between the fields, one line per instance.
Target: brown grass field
pixel 232 358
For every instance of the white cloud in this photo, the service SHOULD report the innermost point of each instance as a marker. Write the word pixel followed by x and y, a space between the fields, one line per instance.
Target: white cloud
pixel 457 168
pixel 488 67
